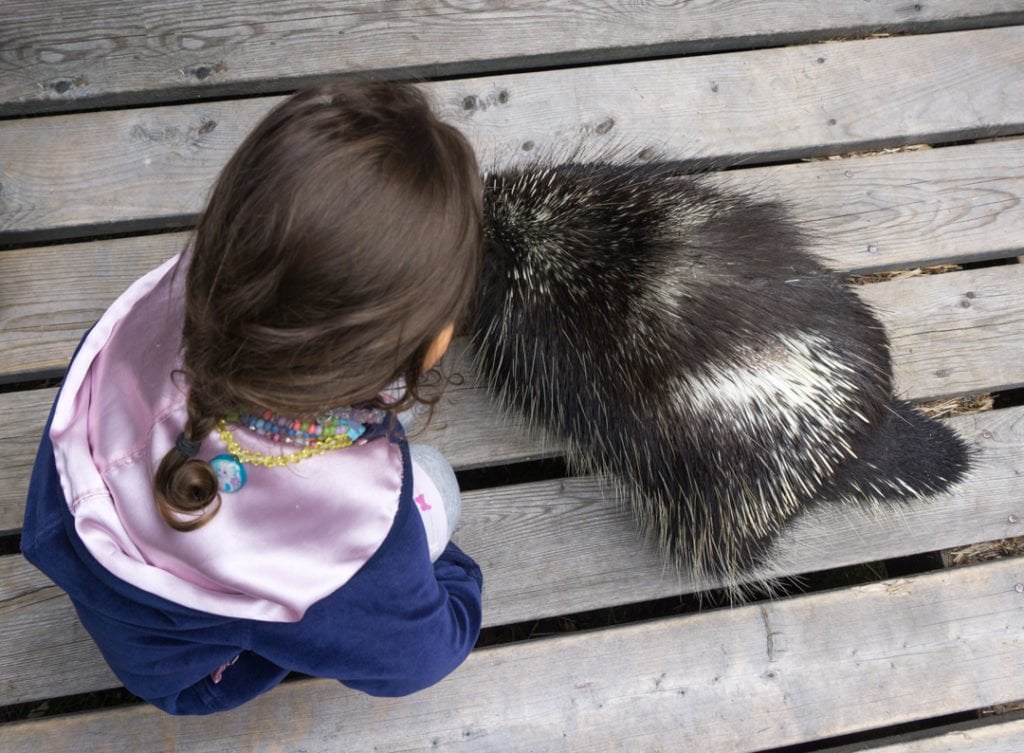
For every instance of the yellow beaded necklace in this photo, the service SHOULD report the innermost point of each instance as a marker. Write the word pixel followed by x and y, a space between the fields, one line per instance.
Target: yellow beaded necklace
pixel 271 461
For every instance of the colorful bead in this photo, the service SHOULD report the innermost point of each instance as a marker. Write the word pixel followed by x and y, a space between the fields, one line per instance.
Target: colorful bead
pixel 346 422
pixel 330 430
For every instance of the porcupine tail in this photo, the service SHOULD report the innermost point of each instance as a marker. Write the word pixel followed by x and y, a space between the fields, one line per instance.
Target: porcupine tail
pixel 909 456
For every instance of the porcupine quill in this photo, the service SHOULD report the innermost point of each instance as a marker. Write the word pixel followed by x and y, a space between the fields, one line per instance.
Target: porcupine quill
pixel 686 346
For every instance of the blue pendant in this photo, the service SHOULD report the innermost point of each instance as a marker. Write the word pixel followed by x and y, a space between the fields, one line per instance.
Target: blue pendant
pixel 230 473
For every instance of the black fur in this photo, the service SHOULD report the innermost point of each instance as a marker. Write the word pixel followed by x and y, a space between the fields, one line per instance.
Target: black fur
pixel 688 348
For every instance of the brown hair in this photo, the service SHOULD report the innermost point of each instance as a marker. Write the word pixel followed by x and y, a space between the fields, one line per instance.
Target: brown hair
pixel 338 242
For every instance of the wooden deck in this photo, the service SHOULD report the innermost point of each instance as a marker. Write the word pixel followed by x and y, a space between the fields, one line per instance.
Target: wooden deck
pixel 115 122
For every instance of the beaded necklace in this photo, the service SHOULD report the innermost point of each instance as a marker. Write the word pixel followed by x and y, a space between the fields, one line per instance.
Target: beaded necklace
pixel 327 427
pixel 329 431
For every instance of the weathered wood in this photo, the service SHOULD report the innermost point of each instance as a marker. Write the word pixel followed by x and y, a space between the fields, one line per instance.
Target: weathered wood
pixel 954 333
pixel 884 211
pixel 906 209
pixel 736 680
pixel 67 55
pixel 950 334
pixel 142 167
pixel 909 209
pixel 19 443
pixel 561 547
pixel 35 612
pixel 50 296
pixel 992 735
pixel 152 167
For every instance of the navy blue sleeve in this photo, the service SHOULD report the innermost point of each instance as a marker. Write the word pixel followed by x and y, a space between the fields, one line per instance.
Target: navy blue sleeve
pixel 400 625
pixel 433 642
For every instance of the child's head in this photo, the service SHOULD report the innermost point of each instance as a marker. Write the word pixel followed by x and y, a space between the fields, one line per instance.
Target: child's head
pixel 340 241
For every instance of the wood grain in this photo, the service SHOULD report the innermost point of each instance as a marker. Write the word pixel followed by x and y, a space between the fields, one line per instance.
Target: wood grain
pixel 67 55
pixel 991 735
pixel 20 442
pixel 788 672
pixel 152 167
pixel 738 680
pixel 49 297
pixel 34 612
pixel 560 547
pixel 954 333
pixel 900 210
pixel 951 334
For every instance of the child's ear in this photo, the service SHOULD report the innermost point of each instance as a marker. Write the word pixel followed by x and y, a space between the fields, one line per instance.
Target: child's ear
pixel 438 347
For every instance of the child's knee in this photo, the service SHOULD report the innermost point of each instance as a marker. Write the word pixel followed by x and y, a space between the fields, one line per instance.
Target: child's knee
pixel 435 466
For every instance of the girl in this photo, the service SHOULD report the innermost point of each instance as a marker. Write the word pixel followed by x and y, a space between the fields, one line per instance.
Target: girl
pixel 224 489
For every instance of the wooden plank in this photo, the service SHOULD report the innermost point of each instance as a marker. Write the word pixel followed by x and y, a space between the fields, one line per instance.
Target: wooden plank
pixel 50 296
pixel 34 612
pixel 152 167
pixel 739 680
pixel 954 333
pixel 69 55
pixel 589 553
pixel 560 547
pixel 20 443
pixel 991 735
pixel 927 317
pixel 131 169
pixel 905 209
pixel 891 210
pixel 944 341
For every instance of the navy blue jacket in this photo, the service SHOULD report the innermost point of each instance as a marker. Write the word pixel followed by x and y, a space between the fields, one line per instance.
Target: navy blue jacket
pixel 393 629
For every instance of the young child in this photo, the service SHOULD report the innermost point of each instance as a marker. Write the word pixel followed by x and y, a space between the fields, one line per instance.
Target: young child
pixel 223 489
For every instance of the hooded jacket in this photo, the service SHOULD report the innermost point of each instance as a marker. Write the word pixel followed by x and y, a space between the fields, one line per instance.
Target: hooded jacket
pixel 321 567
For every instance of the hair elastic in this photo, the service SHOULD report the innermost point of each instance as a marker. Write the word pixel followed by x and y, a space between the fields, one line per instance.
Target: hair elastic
pixel 186 446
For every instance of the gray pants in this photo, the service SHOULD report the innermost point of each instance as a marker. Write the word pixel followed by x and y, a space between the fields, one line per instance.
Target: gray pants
pixel 434 464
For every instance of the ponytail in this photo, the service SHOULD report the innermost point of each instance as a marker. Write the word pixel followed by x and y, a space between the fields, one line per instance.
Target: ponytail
pixel 183 485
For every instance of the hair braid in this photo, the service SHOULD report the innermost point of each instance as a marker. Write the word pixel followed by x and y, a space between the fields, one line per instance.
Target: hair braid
pixel 184 485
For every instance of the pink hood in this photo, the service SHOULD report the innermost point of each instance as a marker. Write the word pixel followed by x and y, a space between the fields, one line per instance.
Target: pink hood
pixel 290 537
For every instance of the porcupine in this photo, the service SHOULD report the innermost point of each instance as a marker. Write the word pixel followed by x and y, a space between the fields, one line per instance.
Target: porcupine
pixel 686 346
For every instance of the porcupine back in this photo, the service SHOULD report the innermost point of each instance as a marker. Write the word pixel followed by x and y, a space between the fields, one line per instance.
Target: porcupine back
pixel 687 348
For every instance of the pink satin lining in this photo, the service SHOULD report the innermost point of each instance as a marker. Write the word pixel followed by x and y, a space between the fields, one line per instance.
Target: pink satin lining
pixel 290 537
